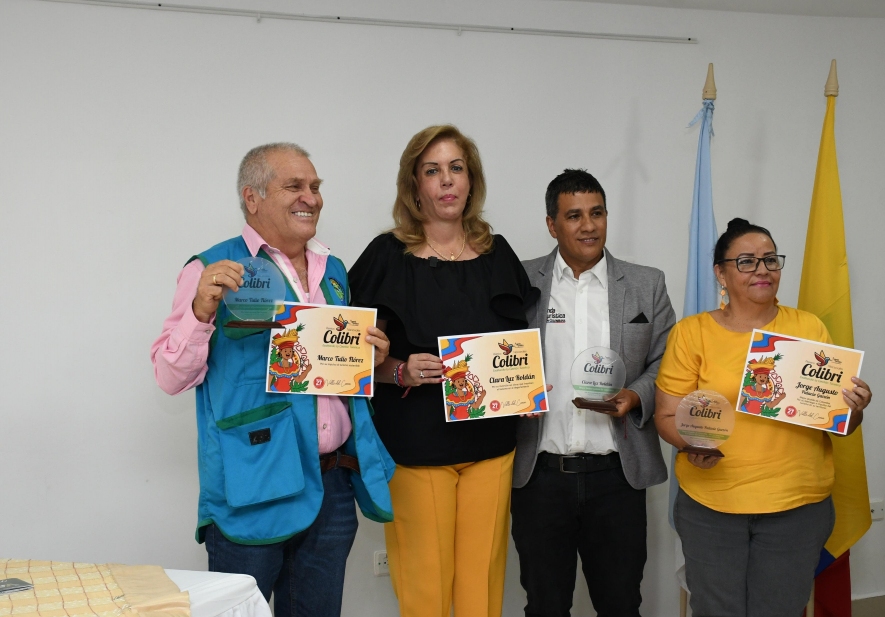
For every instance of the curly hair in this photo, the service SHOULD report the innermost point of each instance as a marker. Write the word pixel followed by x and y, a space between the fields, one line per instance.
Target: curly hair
pixel 408 218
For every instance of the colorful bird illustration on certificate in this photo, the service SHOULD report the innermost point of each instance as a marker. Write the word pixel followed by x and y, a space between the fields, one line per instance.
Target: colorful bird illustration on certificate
pixel 491 375
pixel 798 381
pixel 321 349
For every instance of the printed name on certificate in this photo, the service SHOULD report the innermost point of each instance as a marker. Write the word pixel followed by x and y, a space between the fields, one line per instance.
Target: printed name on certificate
pixel 492 375
pixel 798 381
pixel 321 349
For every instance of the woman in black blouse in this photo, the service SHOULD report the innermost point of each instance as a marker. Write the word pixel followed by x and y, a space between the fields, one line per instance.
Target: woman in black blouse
pixel 439 272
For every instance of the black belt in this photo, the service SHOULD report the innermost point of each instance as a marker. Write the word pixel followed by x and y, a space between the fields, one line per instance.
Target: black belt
pixel 579 463
pixel 338 459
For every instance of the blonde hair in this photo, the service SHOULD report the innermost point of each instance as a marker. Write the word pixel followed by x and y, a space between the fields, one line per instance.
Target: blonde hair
pixel 407 216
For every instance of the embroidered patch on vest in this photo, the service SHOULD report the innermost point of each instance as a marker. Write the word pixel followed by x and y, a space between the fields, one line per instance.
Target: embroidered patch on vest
pixel 339 291
pixel 260 436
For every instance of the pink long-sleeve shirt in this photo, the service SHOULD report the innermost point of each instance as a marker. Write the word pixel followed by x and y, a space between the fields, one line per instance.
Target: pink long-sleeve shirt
pixel 180 353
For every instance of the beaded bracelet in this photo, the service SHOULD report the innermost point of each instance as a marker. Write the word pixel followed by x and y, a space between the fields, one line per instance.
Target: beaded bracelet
pixel 398 374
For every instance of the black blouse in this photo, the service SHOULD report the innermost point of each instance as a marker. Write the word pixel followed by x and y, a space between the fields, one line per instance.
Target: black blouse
pixel 423 299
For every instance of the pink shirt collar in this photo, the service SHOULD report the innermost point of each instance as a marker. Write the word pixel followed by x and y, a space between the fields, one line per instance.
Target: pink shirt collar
pixel 316 253
pixel 254 242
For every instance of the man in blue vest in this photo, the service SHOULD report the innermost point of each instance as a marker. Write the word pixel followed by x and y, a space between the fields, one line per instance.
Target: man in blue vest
pixel 278 472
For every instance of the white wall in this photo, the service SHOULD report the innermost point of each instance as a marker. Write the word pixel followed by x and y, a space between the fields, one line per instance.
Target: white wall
pixel 121 131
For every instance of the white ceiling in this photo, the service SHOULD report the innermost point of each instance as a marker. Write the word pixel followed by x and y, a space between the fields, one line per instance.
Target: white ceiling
pixel 819 8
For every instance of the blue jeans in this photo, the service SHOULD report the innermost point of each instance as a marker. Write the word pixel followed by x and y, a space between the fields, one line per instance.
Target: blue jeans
pixel 305 572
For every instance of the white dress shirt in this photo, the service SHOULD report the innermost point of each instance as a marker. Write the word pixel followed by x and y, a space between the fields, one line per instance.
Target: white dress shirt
pixel 577 318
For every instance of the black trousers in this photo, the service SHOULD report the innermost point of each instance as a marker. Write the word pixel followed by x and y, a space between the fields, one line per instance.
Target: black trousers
pixel 559 515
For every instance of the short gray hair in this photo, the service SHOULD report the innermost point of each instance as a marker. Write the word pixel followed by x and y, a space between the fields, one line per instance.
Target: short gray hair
pixel 256 172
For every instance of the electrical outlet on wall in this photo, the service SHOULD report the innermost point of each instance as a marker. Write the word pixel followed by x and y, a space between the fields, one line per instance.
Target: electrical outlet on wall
pixel 380 564
pixel 877 509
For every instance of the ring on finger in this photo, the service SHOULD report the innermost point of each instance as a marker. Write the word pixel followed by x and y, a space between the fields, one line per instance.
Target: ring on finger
pixel 214 282
pixel 421 374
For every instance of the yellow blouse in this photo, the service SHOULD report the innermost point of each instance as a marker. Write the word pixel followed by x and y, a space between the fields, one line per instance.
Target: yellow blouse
pixel 769 466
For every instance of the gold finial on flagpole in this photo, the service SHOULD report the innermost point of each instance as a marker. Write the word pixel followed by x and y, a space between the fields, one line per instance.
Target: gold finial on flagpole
pixel 710 85
pixel 832 87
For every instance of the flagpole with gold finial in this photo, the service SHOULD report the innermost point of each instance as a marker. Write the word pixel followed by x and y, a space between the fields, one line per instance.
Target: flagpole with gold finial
pixel 710 84
pixel 703 234
pixel 832 87
pixel 825 290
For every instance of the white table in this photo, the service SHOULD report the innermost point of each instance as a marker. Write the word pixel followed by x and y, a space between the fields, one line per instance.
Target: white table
pixel 215 594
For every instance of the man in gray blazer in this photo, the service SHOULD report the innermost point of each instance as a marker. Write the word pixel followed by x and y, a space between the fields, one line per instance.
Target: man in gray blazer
pixel 579 476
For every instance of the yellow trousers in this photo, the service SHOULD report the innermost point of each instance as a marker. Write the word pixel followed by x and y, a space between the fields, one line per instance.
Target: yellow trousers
pixel 447 544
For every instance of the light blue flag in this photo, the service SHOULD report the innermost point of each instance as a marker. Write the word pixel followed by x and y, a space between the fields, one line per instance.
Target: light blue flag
pixel 701 287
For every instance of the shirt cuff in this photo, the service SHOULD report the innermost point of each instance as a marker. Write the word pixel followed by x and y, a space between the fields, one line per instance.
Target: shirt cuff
pixel 194 330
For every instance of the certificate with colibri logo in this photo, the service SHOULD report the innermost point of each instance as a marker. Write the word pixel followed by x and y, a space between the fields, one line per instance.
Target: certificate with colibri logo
pixel 321 349
pixel 492 375
pixel 798 381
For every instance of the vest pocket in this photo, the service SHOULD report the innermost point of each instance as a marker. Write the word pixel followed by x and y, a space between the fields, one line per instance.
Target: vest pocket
pixel 259 448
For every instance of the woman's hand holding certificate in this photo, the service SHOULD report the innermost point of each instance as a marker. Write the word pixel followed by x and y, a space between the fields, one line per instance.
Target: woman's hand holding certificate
pixel 492 375
pixel 802 382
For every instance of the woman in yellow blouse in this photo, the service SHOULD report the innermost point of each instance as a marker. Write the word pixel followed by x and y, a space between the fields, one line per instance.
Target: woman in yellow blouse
pixel 753 523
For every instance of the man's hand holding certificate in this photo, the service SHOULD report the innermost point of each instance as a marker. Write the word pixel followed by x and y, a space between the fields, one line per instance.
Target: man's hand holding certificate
pixel 321 349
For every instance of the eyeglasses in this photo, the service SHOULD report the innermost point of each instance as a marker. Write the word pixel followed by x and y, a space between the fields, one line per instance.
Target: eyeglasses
pixel 750 264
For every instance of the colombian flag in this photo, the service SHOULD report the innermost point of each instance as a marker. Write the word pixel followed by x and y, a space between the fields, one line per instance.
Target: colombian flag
pixel 825 291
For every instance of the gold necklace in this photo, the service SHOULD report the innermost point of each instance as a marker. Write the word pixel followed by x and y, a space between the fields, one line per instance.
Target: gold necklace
pixel 452 257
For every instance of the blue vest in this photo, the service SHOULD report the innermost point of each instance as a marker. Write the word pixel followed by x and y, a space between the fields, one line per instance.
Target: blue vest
pixel 268 492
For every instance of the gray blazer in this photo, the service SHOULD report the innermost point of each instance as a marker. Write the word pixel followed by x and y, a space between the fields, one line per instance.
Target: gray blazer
pixel 632 290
